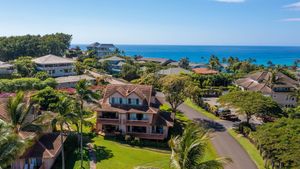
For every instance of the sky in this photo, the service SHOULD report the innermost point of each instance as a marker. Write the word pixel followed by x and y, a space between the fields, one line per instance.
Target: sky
pixel 178 22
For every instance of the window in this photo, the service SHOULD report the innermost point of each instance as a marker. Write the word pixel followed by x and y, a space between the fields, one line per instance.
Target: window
pixel 129 101
pixel 137 101
pixel 120 100
pixel 112 100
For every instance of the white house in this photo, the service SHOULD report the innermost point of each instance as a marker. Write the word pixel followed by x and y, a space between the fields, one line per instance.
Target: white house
pixel 102 49
pixel 115 63
pixel 56 66
pixel 6 69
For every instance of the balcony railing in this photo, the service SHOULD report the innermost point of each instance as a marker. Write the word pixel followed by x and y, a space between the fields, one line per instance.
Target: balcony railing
pixel 147 135
pixel 108 120
pixel 136 122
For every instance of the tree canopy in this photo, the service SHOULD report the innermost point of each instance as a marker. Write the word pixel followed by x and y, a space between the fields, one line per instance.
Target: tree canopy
pixel 251 103
pixel 280 142
pixel 33 45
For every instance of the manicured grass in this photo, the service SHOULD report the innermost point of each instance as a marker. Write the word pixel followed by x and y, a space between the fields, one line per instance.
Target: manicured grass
pixel 249 147
pixel 201 110
pixel 111 155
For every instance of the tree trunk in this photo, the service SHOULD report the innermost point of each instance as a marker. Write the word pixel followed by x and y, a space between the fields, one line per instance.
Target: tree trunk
pixel 81 137
pixel 248 118
pixel 62 147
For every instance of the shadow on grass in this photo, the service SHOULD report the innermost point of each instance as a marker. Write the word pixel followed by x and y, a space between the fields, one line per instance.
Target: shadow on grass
pixel 102 153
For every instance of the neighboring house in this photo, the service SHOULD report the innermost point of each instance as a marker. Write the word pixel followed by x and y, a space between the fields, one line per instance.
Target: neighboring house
pixel 42 154
pixel 55 66
pixel 161 61
pixel 115 62
pixel 133 110
pixel 278 86
pixel 198 65
pixel 205 71
pixel 173 71
pixel 102 49
pixel 71 81
pixel 6 69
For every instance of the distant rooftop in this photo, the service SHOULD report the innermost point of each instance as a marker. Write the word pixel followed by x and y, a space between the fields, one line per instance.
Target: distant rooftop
pixel 173 71
pixel 113 58
pixel 157 60
pixel 205 71
pixel 98 45
pixel 52 59
pixel 70 79
pixel 5 65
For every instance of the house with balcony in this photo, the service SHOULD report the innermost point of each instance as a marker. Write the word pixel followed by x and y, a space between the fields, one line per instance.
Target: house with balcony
pixel 102 49
pixel 115 63
pixel 276 85
pixel 55 66
pixel 6 68
pixel 133 110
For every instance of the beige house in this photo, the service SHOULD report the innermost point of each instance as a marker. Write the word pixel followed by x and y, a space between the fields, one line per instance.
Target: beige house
pixel 71 81
pixel 55 66
pixel 132 110
pixel 278 86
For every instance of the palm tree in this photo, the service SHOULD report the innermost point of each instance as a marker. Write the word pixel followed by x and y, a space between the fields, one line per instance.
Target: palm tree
pixel 188 150
pixel 10 145
pixel 65 115
pixel 18 110
pixel 83 94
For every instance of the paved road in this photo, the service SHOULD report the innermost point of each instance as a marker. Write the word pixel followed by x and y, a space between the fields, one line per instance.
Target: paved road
pixel 225 145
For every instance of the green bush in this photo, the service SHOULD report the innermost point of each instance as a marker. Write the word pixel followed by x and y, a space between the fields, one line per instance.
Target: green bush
pixel 12 85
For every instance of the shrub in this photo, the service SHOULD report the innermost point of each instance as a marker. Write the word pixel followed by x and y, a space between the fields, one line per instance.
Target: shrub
pixel 128 138
pixel 12 85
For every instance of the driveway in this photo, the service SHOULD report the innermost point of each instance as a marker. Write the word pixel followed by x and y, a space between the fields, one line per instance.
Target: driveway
pixel 225 145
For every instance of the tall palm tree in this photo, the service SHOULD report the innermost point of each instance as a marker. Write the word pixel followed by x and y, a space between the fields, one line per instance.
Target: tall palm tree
pixel 10 145
pixel 188 150
pixel 83 94
pixel 18 109
pixel 64 117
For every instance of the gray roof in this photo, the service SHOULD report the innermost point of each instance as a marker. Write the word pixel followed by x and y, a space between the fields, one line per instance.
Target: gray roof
pixel 173 71
pixel 5 65
pixel 52 59
pixel 70 79
pixel 159 60
pixel 113 58
pixel 98 45
pixel 262 81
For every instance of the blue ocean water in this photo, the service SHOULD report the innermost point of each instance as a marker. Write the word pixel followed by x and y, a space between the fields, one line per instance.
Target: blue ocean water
pixel 283 55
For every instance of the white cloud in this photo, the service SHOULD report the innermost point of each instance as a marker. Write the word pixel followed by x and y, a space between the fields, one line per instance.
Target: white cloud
pixel 293 6
pixel 231 1
pixel 291 20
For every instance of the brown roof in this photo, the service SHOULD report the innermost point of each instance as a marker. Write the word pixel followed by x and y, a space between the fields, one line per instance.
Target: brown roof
pixel 205 71
pixel 126 109
pixel 262 81
pixel 143 91
pixel 163 119
pixel 3 110
pixel 48 146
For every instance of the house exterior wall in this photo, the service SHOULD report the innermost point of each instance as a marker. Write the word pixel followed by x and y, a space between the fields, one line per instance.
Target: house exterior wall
pixel 6 71
pixel 285 99
pixel 58 70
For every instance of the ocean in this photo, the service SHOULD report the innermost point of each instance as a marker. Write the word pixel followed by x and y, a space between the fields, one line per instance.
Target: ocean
pixel 282 55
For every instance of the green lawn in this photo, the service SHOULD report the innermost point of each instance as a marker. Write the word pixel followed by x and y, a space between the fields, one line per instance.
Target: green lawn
pixel 249 147
pixel 201 110
pixel 112 154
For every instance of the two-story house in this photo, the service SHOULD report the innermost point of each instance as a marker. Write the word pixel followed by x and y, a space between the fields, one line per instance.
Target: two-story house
pixel 6 68
pixel 102 49
pixel 55 66
pixel 133 110
pixel 115 63
pixel 276 85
